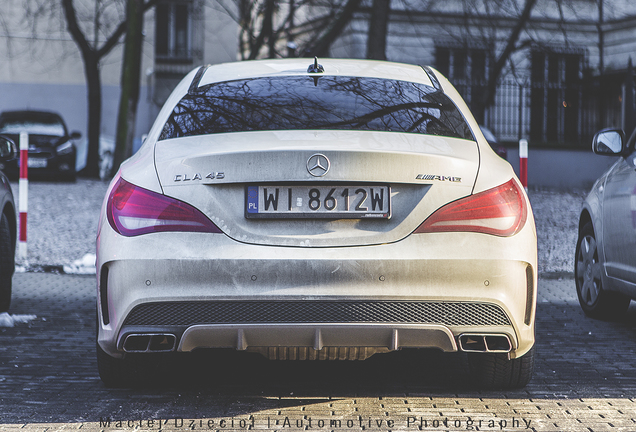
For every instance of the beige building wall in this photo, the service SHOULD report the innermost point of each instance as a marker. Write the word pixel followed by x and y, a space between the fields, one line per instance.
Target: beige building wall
pixel 41 66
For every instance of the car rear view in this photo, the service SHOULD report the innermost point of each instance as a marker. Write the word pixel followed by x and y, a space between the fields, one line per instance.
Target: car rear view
pixel 52 149
pixel 317 214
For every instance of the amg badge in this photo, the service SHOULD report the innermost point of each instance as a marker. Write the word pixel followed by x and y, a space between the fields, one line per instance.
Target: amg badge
pixel 438 178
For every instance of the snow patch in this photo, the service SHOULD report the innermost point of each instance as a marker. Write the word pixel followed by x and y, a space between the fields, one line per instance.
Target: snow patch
pixel 84 265
pixel 7 320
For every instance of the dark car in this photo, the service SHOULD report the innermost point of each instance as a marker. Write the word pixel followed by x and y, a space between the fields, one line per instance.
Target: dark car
pixel 52 151
pixel 605 260
pixel 8 226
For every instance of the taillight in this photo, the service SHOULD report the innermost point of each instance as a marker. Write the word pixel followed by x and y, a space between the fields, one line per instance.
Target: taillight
pixel 134 211
pixel 500 211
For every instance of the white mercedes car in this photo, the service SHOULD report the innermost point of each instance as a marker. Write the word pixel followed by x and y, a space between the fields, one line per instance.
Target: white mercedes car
pixel 310 211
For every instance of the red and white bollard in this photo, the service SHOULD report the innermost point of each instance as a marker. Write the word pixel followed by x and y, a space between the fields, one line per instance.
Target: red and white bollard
pixel 23 185
pixel 523 163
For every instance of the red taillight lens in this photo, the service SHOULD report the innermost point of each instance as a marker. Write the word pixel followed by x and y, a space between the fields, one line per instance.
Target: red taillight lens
pixel 500 211
pixel 134 211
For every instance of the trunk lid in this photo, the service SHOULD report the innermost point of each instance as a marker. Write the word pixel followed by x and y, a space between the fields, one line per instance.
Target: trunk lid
pixel 213 172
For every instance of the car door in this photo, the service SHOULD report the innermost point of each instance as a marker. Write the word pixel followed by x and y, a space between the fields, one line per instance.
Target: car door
pixel 619 221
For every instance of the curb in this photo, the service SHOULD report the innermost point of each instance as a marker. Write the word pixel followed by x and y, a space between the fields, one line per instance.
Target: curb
pixel 558 275
pixel 57 269
pixel 83 266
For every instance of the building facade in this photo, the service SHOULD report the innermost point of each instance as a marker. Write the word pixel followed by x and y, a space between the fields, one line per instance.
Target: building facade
pixel 563 81
pixel 42 68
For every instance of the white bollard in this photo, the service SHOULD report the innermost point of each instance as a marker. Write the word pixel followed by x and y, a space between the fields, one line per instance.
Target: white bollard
pixel 523 163
pixel 23 204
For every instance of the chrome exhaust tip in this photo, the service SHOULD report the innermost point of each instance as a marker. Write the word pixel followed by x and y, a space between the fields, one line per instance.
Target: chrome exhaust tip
pixel 494 343
pixel 162 342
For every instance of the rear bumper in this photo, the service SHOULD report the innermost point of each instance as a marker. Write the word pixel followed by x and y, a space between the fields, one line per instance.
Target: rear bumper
pixel 48 165
pixel 207 276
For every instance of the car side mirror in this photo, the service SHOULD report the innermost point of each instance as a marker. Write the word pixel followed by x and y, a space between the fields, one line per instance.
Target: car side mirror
pixel 75 135
pixel 8 149
pixel 609 142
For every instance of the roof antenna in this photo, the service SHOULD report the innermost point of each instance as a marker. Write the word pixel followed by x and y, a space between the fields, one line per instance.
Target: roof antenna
pixel 315 68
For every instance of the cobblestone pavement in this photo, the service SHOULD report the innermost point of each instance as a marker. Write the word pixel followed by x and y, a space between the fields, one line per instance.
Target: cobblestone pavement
pixel 585 379
pixel 68 235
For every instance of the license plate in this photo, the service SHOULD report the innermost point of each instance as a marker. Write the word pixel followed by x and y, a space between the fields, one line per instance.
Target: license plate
pixel 325 202
pixel 36 163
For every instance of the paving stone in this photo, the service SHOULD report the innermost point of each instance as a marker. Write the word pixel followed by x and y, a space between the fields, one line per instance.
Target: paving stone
pixel 585 377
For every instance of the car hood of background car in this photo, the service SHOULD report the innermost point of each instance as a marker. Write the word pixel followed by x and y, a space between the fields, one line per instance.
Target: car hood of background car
pixel 40 140
pixel 424 172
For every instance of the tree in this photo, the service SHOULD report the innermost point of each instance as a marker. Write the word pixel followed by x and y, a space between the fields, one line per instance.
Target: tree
pixel 130 76
pixel 512 44
pixel 322 45
pixel 92 53
pixel 378 27
pixel 282 28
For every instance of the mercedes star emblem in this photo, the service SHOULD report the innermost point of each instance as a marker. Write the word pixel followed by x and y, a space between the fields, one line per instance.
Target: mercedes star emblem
pixel 318 165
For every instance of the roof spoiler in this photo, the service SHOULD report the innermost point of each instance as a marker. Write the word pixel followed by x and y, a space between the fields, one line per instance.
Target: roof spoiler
pixel 431 75
pixel 194 85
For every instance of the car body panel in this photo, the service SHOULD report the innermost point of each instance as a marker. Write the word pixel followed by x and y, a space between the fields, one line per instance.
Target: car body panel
pixel 281 158
pixel 610 206
pixel 7 204
pixel 610 226
pixel 8 234
pixel 619 214
pixel 201 267
pixel 294 67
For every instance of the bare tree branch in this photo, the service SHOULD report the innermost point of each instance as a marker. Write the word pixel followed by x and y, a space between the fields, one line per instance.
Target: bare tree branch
pixel 511 46
pixel 322 45
pixel 116 35
pixel 74 29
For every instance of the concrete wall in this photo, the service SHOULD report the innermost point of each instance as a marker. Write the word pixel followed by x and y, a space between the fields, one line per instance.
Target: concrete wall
pixel 562 169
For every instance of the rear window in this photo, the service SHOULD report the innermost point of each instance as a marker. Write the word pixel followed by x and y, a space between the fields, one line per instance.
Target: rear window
pixel 325 102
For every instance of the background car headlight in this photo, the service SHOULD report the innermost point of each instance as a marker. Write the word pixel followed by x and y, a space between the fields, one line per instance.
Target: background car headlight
pixel 134 211
pixel 65 148
pixel 498 211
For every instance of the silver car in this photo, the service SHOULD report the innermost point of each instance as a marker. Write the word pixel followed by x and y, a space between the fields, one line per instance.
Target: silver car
pixel 605 257
pixel 311 211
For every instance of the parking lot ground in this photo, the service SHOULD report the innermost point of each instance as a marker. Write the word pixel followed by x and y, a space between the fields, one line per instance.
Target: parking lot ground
pixel 585 379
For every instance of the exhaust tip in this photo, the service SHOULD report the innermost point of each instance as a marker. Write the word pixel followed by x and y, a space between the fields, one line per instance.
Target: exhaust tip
pixel 163 342
pixel 150 342
pixel 495 343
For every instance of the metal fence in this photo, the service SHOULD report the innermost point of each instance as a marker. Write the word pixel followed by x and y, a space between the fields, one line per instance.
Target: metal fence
pixel 549 114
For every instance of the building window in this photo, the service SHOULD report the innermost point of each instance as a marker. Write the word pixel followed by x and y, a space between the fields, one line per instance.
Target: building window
pixel 173 31
pixel 555 96
pixel 466 68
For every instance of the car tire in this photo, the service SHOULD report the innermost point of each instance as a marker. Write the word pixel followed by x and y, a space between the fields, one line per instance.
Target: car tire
pixel 127 372
pixel 134 370
pixel 595 301
pixel 495 371
pixel 71 177
pixel 7 263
